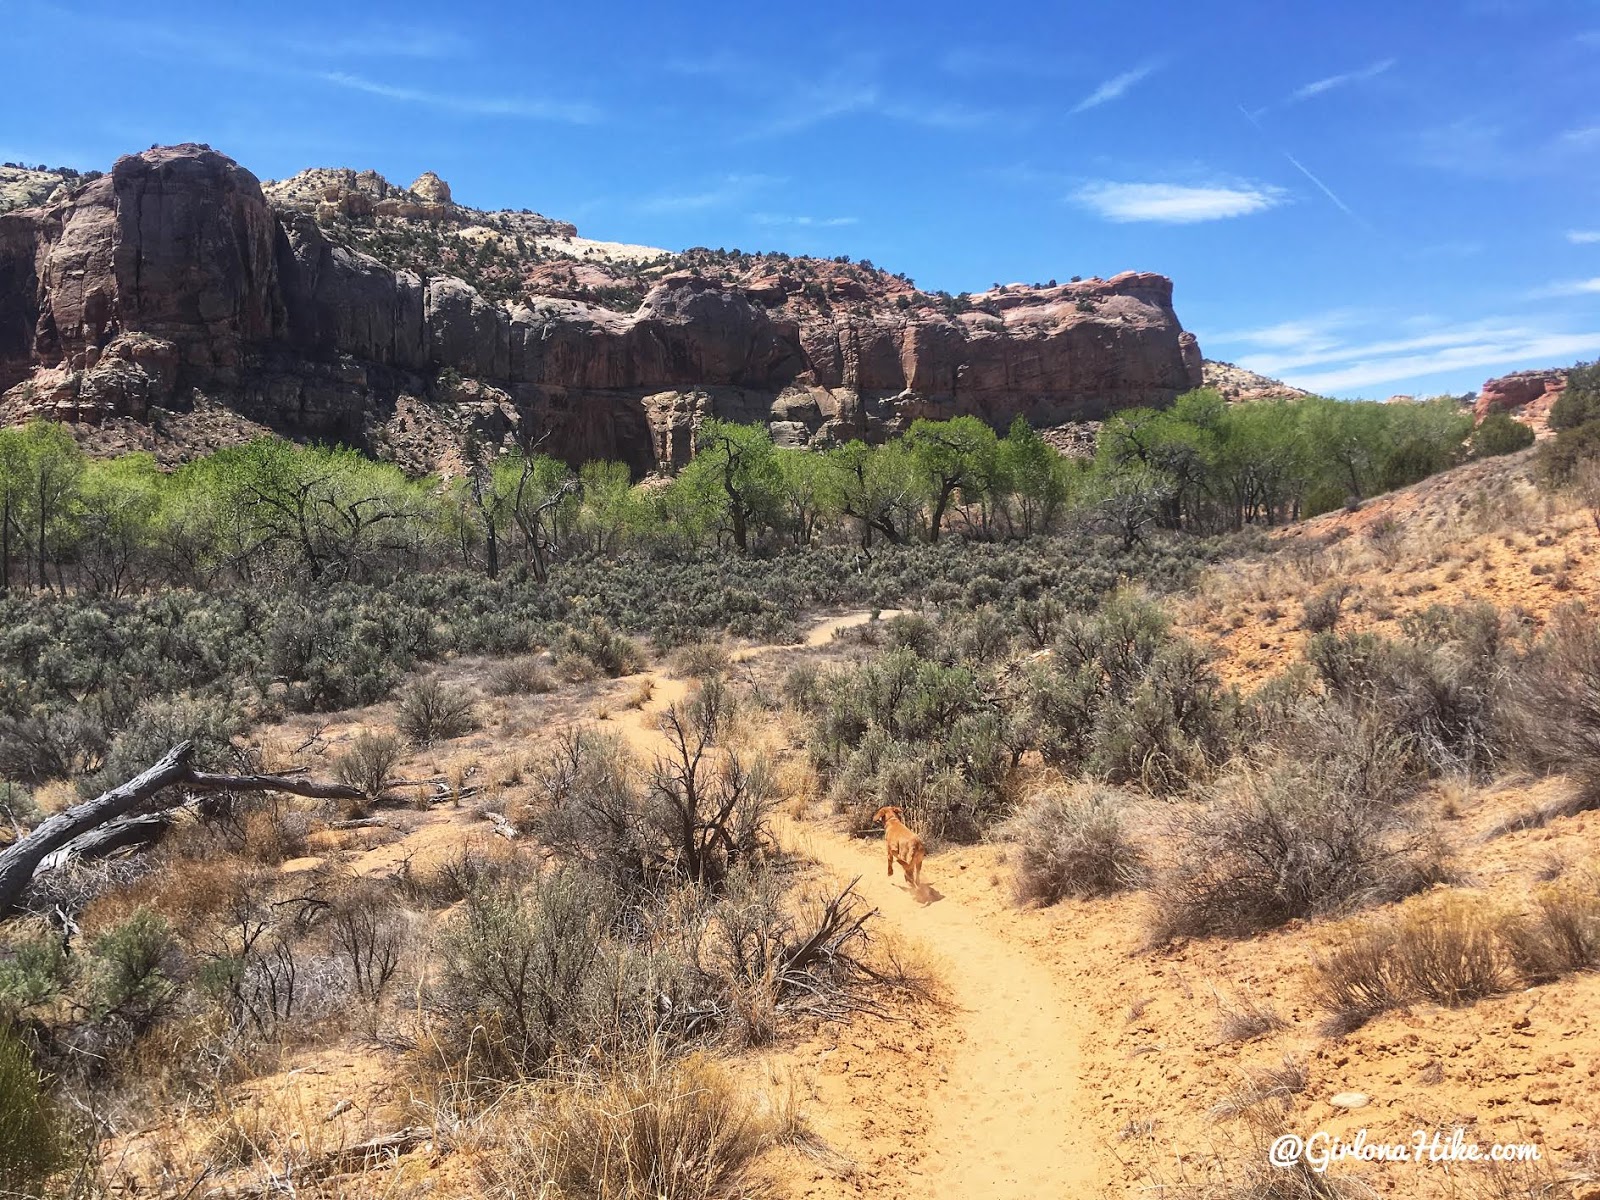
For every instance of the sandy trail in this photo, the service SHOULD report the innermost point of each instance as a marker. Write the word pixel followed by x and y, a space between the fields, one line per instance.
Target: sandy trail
pixel 1008 1118
pixel 1005 1115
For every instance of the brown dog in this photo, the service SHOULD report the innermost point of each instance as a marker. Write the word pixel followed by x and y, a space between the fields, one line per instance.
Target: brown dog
pixel 903 846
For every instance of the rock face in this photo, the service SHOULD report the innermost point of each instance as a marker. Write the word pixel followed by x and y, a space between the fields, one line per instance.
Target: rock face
pixel 1526 395
pixel 172 282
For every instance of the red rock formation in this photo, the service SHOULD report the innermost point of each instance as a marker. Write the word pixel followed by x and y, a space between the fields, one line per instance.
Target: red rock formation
pixel 1526 395
pixel 172 275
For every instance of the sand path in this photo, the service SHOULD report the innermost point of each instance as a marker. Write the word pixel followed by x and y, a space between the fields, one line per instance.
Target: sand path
pixel 1001 1111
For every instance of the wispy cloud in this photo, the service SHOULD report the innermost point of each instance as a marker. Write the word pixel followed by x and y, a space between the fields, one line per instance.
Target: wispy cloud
pixel 1174 204
pixel 1329 83
pixel 770 107
pixel 721 193
pixel 483 106
pixel 1582 136
pixel 1303 333
pixel 811 108
pixel 385 41
pixel 1583 237
pixel 1571 287
pixel 1316 352
pixel 779 220
pixel 1498 348
pixel 1116 86
pixel 1491 145
pixel 278 57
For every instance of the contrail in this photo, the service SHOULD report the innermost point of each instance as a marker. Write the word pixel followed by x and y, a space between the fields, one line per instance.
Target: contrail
pixel 1326 190
pixel 1301 167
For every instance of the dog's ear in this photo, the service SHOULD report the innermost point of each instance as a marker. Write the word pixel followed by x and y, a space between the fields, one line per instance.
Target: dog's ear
pixel 895 811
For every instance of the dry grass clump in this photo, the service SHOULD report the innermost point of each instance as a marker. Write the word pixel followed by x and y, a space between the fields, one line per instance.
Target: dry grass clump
pixel 1293 840
pixel 1246 1018
pixel 650 1127
pixel 523 676
pixel 1446 948
pixel 472 867
pixel 1561 934
pixel 1074 842
pixel 369 763
pixel 1260 1085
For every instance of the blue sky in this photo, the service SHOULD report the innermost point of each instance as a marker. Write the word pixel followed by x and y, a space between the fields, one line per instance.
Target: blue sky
pixel 1362 198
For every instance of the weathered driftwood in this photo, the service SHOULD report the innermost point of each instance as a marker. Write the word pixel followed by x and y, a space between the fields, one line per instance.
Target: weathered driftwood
pixel 22 858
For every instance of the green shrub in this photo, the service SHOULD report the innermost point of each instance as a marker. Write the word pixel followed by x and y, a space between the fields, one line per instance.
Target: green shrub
pixel 1121 700
pixel 1322 611
pixel 159 724
pixel 33 1146
pixel 1301 838
pixel 131 968
pixel 698 660
pixel 518 677
pixel 1554 711
pixel 34 969
pixel 520 974
pixel 1500 433
pixel 1438 688
pixel 592 647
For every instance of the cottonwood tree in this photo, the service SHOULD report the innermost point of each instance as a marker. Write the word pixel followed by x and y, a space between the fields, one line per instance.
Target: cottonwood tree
pixel 961 453
pixel 877 487
pixel 735 474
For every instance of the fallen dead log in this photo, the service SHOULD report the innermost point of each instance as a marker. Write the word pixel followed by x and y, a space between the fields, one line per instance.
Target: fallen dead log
pixel 501 826
pixel 138 830
pixel 22 858
pixel 364 1156
pixel 359 823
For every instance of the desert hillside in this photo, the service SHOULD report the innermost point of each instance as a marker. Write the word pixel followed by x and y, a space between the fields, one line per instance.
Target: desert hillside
pixel 475 890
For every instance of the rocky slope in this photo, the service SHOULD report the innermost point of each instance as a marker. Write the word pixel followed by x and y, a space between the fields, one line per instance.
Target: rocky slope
pixel 330 306
pixel 1238 384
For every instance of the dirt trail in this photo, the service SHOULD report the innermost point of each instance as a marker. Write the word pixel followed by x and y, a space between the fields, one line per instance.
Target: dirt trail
pixel 1003 1111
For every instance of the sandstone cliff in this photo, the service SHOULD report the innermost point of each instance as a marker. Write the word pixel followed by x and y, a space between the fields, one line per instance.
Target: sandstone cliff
pixel 1526 395
pixel 172 287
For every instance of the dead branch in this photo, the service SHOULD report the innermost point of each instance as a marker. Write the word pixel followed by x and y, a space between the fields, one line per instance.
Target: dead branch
pixel 22 859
